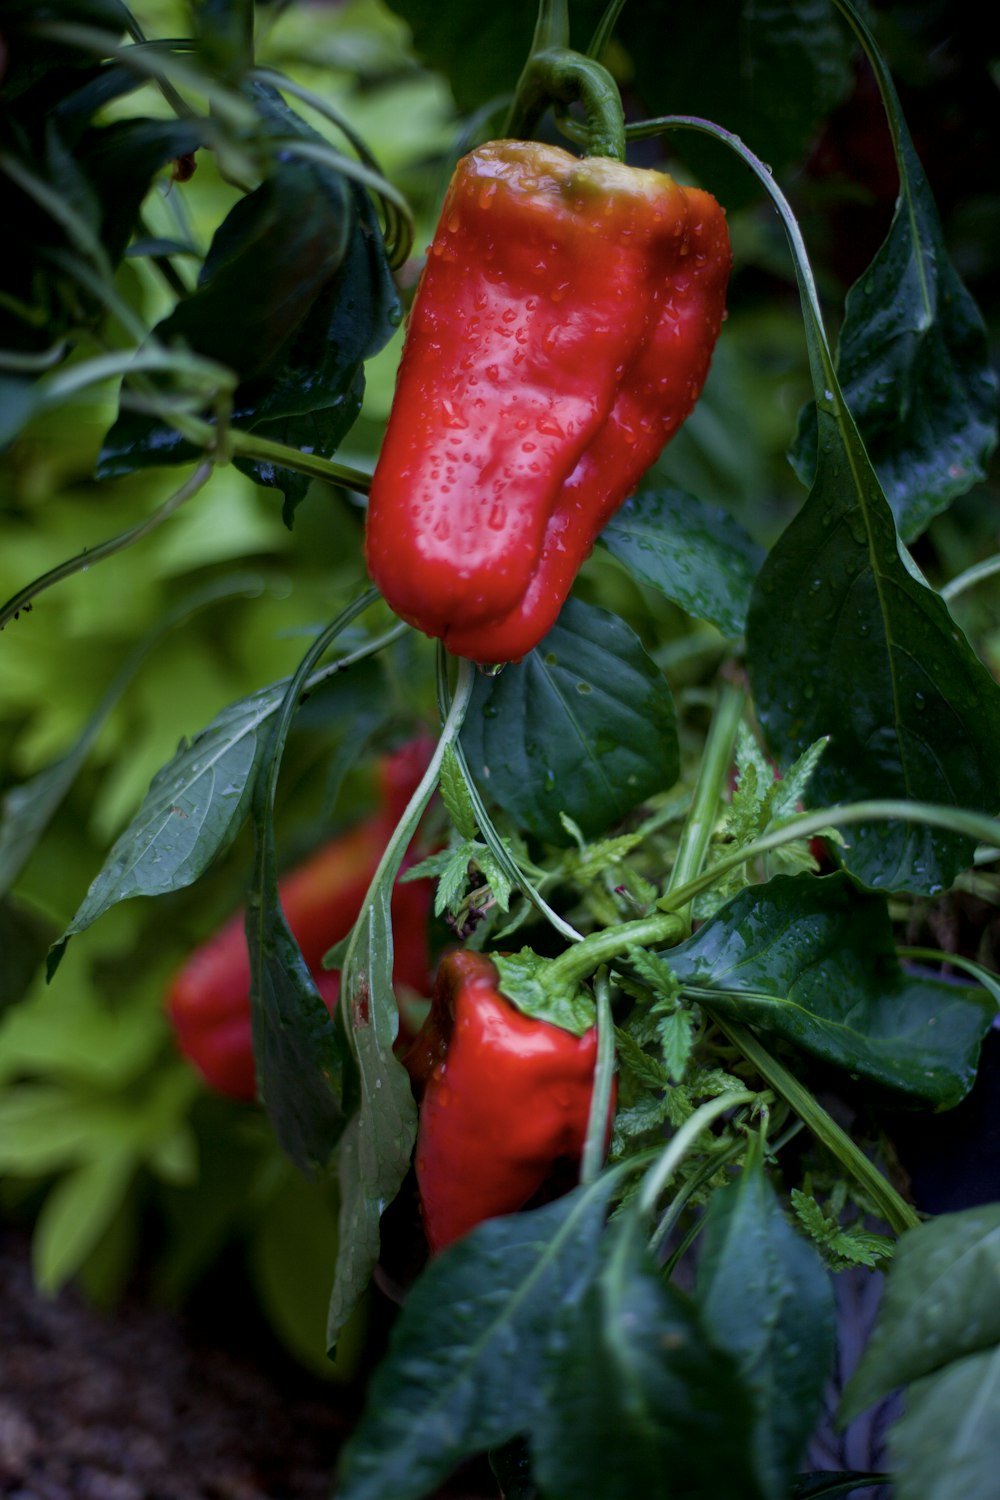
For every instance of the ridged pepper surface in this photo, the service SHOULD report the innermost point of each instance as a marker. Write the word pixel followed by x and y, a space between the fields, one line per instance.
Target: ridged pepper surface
pixel 504 1098
pixel 209 999
pixel 561 332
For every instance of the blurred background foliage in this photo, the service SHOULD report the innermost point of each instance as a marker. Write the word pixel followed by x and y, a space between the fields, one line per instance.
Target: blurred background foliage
pixel 109 1144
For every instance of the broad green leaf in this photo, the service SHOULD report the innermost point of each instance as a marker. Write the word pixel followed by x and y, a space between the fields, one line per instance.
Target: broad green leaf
pixel 295 295
pixel 297 1050
pixel 374 1155
pixel 845 639
pixel 945 1444
pixel 695 554
pixel 635 1392
pixel 913 356
pixel 468 1351
pixel 523 979
pixel 585 725
pixel 766 1299
pixel 271 257
pixel 193 810
pixel 813 961
pixel 940 1305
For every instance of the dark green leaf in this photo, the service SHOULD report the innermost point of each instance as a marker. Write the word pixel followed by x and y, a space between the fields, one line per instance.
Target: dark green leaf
pixel 121 160
pixel 844 640
pixel 298 1052
pixel 295 295
pixel 374 1156
pixel 466 1357
pixel 765 1298
pixel 934 1310
pixel 193 810
pixel 636 1392
pixel 813 961
pixel 584 725
pixel 945 1443
pixel 511 1465
pixel 913 359
pixel 695 554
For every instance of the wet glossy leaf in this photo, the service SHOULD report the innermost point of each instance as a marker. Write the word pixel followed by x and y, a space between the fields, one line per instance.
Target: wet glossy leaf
pixel 468 1350
pixel 695 554
pixel 585 725
pixel 843 639
pixel 813 961
pixel 298 1052
pixel 914 360
pixel 935 1309
pixel 636 1390
pixel 945 1443
pixel 765 1297
pixel 193 810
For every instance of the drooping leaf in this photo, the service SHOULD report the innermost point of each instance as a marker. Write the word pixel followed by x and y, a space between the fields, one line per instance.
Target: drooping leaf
pixel 945 1443
pixel 374 1155
pixel 936 1308
pixel 760 1285
pixel 298 1053
pixel 193 810
pixel 813 961
pixel 696 554
pixel 913 357
pixel 585 725
pixel 635 1391
pixel 295 294
pixel 467 1353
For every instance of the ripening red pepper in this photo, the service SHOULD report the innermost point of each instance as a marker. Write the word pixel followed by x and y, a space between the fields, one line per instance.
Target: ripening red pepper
pixel 209 999
pixel 505 1097
pixel 561 332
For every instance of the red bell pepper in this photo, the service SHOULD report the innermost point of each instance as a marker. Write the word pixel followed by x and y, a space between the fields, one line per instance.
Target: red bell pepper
pixel 209 1000
pixel 505 1098
pixel 561 332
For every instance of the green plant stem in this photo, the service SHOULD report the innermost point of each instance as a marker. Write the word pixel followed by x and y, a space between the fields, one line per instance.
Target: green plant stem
pixel 682 1142
pixel 249 445
pixel 957 819
pixel 600 1103
pixel 557 76
pixel 589 953
pixel 988 568
pixel 91 555
pixel 679 1202
pixel 716 760
pixel 897 1213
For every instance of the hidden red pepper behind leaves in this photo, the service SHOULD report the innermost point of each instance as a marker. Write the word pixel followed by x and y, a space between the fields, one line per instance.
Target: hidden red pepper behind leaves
pixel 209 1000
pixel 561 333
pixel 505 1097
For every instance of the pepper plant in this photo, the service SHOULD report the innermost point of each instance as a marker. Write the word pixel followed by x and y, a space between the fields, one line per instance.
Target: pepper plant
pixel 686 796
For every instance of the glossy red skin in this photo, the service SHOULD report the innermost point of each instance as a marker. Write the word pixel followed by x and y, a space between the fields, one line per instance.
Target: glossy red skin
pixel 209 999
pixel 505 1097
pixel 561 332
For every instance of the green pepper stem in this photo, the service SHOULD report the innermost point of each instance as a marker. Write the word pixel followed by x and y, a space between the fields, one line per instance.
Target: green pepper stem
pixel 697 832
pixel 666 928
pixel 556 75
